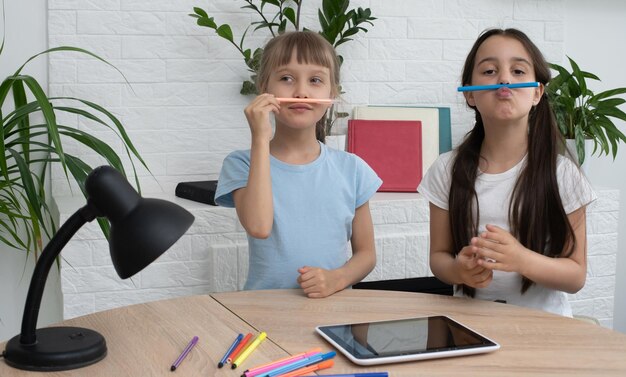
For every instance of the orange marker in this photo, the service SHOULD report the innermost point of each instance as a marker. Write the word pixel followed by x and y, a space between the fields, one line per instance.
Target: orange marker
pixel 327 101
pixel 239 348
pixel 278 363
pixel 311 368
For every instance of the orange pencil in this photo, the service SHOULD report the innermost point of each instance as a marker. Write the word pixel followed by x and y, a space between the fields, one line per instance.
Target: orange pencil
pixel 311 368
pixel 239 348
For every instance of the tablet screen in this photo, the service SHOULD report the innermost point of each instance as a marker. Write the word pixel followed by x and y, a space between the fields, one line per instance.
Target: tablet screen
pixel 427 337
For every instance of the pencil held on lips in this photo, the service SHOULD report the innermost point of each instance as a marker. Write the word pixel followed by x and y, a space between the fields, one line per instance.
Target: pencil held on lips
pixel 473 88
pixel 326 101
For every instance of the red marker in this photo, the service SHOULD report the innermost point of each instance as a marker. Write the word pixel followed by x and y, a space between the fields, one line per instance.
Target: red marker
pixel 239 348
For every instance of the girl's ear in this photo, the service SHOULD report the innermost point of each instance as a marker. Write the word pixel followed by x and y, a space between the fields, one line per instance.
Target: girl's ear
pixel 538 93
pixel 469 97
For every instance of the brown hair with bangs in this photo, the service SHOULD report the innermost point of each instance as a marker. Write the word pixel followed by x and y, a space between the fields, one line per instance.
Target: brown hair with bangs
pixel 310 48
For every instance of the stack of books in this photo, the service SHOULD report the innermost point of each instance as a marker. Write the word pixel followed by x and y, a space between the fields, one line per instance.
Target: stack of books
pixel 399 143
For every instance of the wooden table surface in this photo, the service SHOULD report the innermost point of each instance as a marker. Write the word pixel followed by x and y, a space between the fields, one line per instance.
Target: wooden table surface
pixel 144 339
pixel 532 342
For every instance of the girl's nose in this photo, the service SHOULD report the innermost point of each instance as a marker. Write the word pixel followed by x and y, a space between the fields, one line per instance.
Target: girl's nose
pixel 504 78
pixel 300 91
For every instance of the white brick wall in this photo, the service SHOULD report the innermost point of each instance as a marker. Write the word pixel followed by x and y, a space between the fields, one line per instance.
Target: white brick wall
pixel 183 109
pixel 213 256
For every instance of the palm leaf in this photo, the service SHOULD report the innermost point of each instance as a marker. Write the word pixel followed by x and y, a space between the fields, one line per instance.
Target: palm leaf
pixel 31 148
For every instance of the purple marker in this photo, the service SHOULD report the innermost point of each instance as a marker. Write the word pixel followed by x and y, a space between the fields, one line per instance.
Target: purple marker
pixel 184 354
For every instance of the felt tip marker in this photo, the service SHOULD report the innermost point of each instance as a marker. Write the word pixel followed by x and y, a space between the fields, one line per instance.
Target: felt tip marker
pixel 371 374
pixel 310 369
pixel 230 350
pixel 252 372
pixel 306 100
pixel 184 354
pixel 240 348
pixel 244 355
pixel 532 84
pixel 300 364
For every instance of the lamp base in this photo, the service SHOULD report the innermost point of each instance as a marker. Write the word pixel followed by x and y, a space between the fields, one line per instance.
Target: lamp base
pixel 57 348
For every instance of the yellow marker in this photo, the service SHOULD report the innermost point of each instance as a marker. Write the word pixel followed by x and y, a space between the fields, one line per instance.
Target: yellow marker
pixel 255 343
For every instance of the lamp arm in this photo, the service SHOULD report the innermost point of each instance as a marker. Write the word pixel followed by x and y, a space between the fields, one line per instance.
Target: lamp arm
pixel 42 268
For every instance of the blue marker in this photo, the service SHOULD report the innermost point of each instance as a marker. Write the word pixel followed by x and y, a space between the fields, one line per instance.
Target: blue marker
pixel 532 84
pixel 230 349
pixel 300 364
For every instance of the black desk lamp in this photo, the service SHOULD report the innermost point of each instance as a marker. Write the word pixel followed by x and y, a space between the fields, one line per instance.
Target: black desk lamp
pixel 141 230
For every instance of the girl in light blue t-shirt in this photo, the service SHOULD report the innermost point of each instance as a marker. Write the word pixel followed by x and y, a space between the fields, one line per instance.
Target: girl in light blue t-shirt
pixel 300 202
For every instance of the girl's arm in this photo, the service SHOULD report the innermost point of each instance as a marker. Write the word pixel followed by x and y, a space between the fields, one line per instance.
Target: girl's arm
pixel 462 269
pixel 254 204
pixel 317 282
pixel 564 274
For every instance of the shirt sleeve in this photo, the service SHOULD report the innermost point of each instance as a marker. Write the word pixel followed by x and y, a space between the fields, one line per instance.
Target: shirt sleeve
pixel 234 175
pixel 367 182
pixel 574 187
pixel 435 185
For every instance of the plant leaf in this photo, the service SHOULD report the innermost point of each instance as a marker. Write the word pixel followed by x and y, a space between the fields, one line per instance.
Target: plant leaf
pixel 582 84
pixel 225 32
pixel 27 184
pixel 19 99
pixel 48 114
pixel 580 143
pixel 200 12
pixel 207 22
pixel 609 93
pixel 290 14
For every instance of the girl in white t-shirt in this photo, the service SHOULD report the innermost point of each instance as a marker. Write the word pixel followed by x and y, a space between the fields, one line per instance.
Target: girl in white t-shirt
pixel 507 212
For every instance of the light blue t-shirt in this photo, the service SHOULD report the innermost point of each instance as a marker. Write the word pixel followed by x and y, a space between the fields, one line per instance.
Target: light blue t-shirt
pixel 314 205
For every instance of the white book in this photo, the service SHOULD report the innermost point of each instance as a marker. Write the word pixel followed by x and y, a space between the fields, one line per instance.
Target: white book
pixel 429 116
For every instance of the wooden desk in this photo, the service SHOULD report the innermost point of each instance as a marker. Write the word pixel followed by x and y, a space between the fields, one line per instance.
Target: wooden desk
pixel 144 339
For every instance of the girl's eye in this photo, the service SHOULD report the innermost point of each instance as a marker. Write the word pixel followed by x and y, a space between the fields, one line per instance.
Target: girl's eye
pixel 316 80
pixel 518 72
pixel 489 72
pixel 286 78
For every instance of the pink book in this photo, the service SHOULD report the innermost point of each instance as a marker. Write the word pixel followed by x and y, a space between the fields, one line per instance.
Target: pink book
pixel 393 148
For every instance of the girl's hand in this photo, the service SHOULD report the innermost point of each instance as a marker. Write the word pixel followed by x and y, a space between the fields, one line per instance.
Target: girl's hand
pixel 470 272
pixel 497 249
pixel 317 282
pixel 257 113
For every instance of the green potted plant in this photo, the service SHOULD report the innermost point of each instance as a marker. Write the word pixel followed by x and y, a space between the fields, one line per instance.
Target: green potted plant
pixel 32 140
pixel 337 24
pixel 583 115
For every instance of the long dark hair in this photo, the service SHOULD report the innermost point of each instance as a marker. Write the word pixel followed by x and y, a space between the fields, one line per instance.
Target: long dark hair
pixel 536 214
pixel 311 48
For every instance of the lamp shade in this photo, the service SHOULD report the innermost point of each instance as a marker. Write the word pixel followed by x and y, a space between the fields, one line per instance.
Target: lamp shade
pixel 141 229
pixel 142 236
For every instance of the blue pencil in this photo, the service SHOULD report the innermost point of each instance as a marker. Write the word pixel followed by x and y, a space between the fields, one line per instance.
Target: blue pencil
pixel 532 84
pixel 230 349
pixel 299 364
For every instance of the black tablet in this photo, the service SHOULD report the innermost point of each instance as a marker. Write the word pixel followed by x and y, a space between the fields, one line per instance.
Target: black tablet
pixel 405 340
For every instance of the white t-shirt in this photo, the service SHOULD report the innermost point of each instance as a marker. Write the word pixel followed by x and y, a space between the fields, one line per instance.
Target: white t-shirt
pixel 494 195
